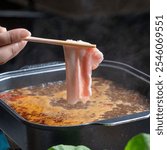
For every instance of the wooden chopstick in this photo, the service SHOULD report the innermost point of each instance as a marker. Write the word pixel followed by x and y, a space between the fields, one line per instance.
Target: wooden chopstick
pixel 59 42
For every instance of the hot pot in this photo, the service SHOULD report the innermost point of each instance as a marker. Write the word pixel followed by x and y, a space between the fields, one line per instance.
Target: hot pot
pixel 111 134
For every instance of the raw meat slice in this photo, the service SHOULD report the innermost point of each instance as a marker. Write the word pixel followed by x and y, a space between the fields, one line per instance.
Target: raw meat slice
pixel 79 65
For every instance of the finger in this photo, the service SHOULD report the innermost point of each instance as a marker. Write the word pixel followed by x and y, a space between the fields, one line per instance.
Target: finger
pixel 13 36
pixel 10 51
pixel 2 29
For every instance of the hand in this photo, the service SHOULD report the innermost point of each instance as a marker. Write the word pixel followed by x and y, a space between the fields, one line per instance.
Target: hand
pixel 11 43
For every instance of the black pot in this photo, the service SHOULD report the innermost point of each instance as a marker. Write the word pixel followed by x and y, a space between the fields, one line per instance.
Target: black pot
pixel 110 134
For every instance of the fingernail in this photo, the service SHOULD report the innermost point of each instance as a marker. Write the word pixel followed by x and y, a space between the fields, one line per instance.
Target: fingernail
pixel 24 33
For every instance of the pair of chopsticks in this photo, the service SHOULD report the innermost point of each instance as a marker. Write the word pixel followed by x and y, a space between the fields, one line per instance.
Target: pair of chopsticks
pixel 59 42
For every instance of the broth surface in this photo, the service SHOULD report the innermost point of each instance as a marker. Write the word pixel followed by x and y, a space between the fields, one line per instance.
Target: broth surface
pixel 47 104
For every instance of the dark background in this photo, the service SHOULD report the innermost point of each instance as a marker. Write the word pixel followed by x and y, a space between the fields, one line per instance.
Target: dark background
pixel 121 28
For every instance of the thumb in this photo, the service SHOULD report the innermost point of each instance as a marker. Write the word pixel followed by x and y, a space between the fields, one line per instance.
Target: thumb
pixel 13 36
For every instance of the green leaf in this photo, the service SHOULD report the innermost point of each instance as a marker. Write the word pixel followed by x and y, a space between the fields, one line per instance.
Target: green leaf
pixel 139 142
pixel 68 147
